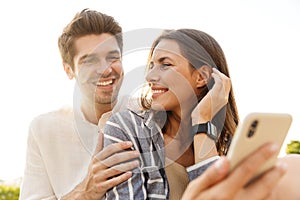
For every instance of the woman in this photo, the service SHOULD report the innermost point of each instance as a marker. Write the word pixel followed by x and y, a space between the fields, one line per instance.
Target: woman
pixel 182 68
pixel 189 88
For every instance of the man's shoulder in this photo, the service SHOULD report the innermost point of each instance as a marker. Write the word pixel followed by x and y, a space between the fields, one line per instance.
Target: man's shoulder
pixel 52 119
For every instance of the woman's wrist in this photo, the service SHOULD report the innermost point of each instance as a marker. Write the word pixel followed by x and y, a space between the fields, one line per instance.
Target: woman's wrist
pixel 200 120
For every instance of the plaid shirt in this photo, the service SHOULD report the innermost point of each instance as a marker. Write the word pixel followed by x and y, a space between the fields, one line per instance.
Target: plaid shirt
pixel 149 181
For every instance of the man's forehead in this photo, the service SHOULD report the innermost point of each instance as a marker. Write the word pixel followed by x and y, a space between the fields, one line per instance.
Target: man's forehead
pixel 96 44
pixel 107 46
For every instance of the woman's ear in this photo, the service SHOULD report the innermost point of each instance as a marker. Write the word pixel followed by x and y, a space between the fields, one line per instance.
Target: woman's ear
pixel 204 75
pixel 69 71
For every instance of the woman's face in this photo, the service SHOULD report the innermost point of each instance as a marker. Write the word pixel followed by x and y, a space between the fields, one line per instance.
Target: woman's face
pixel 172 79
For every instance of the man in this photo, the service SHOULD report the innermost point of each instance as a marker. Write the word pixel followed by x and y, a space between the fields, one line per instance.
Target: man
pixel 61 158
pixel 65 159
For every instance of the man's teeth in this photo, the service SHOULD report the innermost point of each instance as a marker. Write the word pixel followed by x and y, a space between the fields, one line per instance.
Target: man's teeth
pixel 158 91
pixel 105 83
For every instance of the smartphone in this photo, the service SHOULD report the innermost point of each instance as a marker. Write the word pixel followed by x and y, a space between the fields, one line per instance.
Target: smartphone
pixel 255 130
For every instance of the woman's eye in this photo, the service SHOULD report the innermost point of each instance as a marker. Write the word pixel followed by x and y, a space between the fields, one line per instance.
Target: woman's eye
pixel 150 65
pixel 165 65
pixel 113 58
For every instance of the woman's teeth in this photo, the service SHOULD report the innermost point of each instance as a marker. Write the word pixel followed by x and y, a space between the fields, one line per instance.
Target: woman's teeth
pixel 158 91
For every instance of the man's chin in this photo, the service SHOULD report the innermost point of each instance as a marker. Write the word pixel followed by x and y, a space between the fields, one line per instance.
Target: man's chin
pixel 106 100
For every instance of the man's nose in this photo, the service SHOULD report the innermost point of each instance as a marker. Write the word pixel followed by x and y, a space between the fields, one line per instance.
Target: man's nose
pixel 104 70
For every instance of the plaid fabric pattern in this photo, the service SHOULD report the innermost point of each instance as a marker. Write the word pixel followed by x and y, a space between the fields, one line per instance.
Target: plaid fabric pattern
pixel 149 181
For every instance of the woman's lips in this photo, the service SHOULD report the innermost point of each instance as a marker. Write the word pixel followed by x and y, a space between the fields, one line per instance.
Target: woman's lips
pixel 157 91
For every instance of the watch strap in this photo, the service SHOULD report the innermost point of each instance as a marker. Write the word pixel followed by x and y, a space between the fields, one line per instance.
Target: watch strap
pixel 206 128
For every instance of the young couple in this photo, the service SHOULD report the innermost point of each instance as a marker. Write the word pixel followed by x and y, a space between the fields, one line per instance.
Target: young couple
pixel 189 90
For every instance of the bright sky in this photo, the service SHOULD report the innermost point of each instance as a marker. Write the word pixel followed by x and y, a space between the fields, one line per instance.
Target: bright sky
pixel 260 40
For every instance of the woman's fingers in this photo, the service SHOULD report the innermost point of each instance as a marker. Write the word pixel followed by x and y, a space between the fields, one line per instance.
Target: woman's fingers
pixel 217 184
pixel 210 177
pixel 262 188
pixel 245 171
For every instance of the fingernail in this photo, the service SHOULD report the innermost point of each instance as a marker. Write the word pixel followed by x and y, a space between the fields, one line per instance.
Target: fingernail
pixel 283 166
pixel 274 148
pixel 128 143
pixel 136 163
pixel 220 165
pixel 129 173
pixel 136 153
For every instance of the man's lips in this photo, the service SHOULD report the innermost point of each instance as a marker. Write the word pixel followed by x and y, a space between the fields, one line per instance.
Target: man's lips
pixel 105 83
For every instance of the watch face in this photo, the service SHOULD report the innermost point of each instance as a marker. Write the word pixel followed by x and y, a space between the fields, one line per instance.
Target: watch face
pixel 212 130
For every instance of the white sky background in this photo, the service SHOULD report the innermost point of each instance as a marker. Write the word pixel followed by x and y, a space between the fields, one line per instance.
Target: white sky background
pixel 260 38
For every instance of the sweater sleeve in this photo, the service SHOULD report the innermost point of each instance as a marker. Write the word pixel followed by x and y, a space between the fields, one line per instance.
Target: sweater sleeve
pixel 35 175
pixel 118 128
pixel 196 170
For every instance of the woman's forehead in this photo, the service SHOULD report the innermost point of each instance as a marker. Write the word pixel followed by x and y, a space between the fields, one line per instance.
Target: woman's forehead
pixel 167 46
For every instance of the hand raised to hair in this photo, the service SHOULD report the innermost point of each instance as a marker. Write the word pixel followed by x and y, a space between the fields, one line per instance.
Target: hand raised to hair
pixel 214 100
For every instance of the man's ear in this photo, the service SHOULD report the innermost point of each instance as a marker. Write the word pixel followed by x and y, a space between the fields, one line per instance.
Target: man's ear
pixel 203 75
pixel 69 71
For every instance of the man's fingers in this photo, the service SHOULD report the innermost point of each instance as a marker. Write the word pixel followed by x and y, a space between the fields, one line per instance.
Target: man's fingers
pixel 115 159
pixel 112 149
pixel 99 144
pixel 120 157
pixel 110 183
pixel 116 170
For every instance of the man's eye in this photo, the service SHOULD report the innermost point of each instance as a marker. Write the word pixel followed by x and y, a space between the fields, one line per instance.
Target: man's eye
pixel 89 61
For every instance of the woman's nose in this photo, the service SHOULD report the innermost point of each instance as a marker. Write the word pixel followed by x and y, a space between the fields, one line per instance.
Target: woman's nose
pixel 153 74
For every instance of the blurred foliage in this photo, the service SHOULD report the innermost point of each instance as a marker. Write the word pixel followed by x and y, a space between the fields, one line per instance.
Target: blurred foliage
pixel 293 147
pixel 9 192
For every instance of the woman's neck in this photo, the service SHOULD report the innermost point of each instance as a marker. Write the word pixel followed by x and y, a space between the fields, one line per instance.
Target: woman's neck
pixel 178 140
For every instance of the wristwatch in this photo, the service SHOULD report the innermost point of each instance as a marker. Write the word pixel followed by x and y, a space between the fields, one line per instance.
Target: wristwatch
pixel 206 128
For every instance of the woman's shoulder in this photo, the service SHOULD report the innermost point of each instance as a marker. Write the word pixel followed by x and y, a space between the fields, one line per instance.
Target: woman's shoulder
pixel 129 115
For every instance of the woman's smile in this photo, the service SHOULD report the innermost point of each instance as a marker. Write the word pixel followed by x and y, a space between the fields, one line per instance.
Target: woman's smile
pixel 157 91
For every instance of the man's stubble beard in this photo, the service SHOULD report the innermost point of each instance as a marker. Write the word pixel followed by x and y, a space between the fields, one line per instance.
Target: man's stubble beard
pixel 109 98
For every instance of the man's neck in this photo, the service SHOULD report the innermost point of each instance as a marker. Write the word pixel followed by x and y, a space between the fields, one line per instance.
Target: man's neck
pixel 93 112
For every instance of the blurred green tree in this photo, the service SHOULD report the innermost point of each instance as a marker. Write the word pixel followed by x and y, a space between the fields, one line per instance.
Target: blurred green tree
pixel 293 147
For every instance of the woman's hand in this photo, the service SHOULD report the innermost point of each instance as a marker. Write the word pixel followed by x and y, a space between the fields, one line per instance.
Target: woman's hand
pixel 214 100
pixel 217 183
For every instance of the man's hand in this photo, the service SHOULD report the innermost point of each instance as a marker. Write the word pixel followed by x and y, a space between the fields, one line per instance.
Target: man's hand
pixel 109 167
pixel 217 183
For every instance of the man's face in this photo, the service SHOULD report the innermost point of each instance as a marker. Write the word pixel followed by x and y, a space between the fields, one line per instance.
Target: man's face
pixel 98 68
